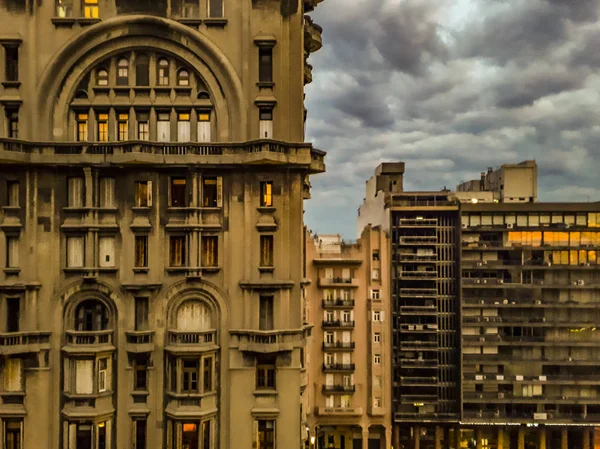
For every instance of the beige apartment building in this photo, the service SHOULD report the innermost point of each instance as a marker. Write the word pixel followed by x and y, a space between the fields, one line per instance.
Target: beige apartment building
pixel 152 178
pixel 349 355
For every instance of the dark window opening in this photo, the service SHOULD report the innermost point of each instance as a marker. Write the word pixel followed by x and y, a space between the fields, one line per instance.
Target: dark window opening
pixel 178 192
pixel 140 370
pixel 141 251
pixel 209 192
pixel 13 123
pixel 215 9
pixel 177 251
pixel 140 426
pixel 13 314
pixel 91 315
pixel 266 434
pixel 142 70
pixel 12 62
pixel 12 434
pixel 141 313
pixel 207 367
pixel 191 374
pixel 123 72
pixel 189 437
pixel 265 372
pixel 84 435
pixel 266 313
pixel 210 251
pixel 265 65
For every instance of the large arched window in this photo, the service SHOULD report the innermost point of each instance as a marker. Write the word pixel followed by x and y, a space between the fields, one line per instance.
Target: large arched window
pixel 91 315
pixel 123 72
pixel 102 77
pixel 194 316
pixel 163 72
pixel 183 77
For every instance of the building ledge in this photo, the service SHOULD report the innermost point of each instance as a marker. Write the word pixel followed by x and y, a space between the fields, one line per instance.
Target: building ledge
pixel 267 285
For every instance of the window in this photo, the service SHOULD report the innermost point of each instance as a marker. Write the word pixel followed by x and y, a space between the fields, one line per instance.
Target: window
pixel 265 373
pixel 177 251
pixel 140 373
pixel 163 72
pixel 211 192
pixel 329 337
pixel 13 314
pixel 75 192
pixel 102 127
pixel 376 315
pixel 83 435
pixel 163 127
pixel 123 72
pixel 377 359
pixel 178 192
pixel 143 193
pixel 75 252
pixel 376 337
pixel 266 194
pixel 207 374
pixel 64 8
pixel 123 124
pixel 377 402
pixel 143 126
pixel 82 127
pixel 189 437
pixel 107 192
pixel 183 127
pixel 11 52
pixel 12 434
pixel 265 65
pixel 102 373
pixel 84 372
pixel 139 433
pixel 376 254
pixel 13 378
pixel 142 70
pixel 266 250
pixel 266 313
pixel 141 313
pixel 12 252
pixel 102 77
pixel 12 191
pixel 328 359
pixel 375 294
pixel 12 117
pixel 204 127
pixel 375 274
pixel 183 78
pixel 191 374
pixel 106 251
pixel 345 401
pixel 346 316
pixel 266 123
pixel 210 251
pixel 90 9
pixel 141 251
pixel 266 434
pixel 206 434
pixel 91 315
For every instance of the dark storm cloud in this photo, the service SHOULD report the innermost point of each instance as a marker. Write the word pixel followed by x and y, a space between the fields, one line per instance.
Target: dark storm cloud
pixel 452 87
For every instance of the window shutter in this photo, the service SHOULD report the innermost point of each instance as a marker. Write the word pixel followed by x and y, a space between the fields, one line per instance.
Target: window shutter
pixel 107 251
pixel 84 370
pixel 382 316
pixel 67 375
pixel 73 436
pixel 107 192
pixel 163 130
pixel 256 443
pixel 183 131
pixel 12 373
pixel 219 191
pixel 149 193
pixel 75 252
pixel 203 131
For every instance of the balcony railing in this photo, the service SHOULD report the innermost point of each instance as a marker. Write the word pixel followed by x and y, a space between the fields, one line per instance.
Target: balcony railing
pixel 24 338
pixel 140 337
pixel 416 258
pixel 418 240
pixel 338 303
pixel 418 292
pixel 339 345
pixel 418 380
pixel 192 338
pixel 418 274
pixel 338 366
pixel 338 280
pixel 338 388
pixel 338 323
pixel 418 222
pixel 89 338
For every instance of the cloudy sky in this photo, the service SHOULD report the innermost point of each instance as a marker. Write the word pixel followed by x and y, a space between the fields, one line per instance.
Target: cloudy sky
pixel 452 87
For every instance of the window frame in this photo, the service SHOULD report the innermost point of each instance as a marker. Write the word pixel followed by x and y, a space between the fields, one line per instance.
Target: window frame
pixel 143 196
pixel 102 127
pixel 90 9
pixel 163 74
pixel 267 252
pixel 12 251
pixel 183 257
pixel 140 251
pixel 266 194
pixel 211 9
pixel 7 430
pixel 11 62
pixel 103 370
pixel 102 77
pixel 122 72
pixel 210 251
pixel 266 312
pixel 64 9
pixel 266 373
pixel 12 123
pixel 82 127
pixel 183 80
pixel 177 201
pixel 263 431
pixel 122 126
pixel 265 65
pixel 142 70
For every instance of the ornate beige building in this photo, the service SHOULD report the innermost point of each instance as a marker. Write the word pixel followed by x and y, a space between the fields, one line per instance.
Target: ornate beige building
pixel 152 179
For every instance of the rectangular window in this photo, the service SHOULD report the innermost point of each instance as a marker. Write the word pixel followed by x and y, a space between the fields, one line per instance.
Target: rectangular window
pixel 178 192
pixel 177 251
pixel 102 435
pixel 183 127
pixel 64 8
pixel 266 313
pixel 143 130
pixel 90 9
pixel 106 252
pixel 12 252
pixel 189 437
pixel 375 294
pixel 13 314
pixel 12 62
pixel 210 192
pixel 204 127
pixel 107 192
pixel 102 127
pixel 265 65
pixel 82 127
pixel 375 254
pixel 190 373
pixel 189 9
pixel 266 123
pixel 139 437
pixel 102 375
pixel 123 123
pixel 75 192
pixel 266 194
pixel 84 370
pixel 13 369
pixel 376 337
pixel 13 124
pixel 140 372
pixel 265 373
pixel 141 313
pixel 207 374
pixel 12 434
pixel 143 193
pixel 141 251
pixel 376 315
pixel 75 252
pixel 215 9
pixel 12 191
pixel 266 434
pixel 210 251
pixel 377 359
pixel 163 127
pixel 266 250
pixel 206 435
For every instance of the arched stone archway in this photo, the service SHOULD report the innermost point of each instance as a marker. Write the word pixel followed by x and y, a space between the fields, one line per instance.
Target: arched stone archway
pixel 63 73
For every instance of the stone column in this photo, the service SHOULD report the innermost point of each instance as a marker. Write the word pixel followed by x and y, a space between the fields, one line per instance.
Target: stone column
pixel 365 438
pixel 564 439
pixel 542 436
pixel 417 438
pixel 501 437
pixel 388 438
pixel 585 443
pixel 521 444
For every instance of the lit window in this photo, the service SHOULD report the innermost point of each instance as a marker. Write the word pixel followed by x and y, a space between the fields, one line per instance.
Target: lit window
pixel 163 72
pixel 102 77
pixel 90 9
pixel 102 126
pixel 266 194
pixel 215 9
pixel 123 72
pixel 177 256
pixel 210 251
pixel 123 127
pixel 266 434
pixel 64 8
pixel 266 250
pixel 265 65
pixel 183 78
pixel 82 127
pixel 266 123
pixel 143 126
pixel 204 127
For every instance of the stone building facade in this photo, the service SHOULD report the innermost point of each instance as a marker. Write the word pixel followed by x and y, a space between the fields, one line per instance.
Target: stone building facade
pixel 152 177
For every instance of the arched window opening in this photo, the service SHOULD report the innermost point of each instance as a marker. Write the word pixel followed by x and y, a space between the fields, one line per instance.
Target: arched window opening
pixel 203 95
pixel 123 72
pixel 163 72
pixel 91 315
pixel 81 94
pixel 183 78
pixel 194 316
pixel 102 77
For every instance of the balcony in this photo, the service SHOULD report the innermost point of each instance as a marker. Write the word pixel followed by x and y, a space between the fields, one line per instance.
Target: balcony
pixel 139 341
pixel 334 367
pixel 417 275
pixel 419 398
pixel 407 345
pixel 24 342
pixel 88 341
pixel 338 303
pixel 135 152
pixel 418 310
pixel 418 293
pixel 418 381
pixel 184 341
pixel 338 282
pixel 338 388
pixel 267 341
pixel 418 363
pixel 415 258
pixel 334 324
pixel 418 222
pixel 418 240
pixel 312 35
pixel 339 345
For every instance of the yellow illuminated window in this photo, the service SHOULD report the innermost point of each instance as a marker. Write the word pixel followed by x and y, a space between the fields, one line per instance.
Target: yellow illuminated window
pixel 266 194
pixel 573 257
pixel 102 127
pixel 123 127
pixel 184 117
pixel 592 257
pixel 593 220
pixel 575 238
pixel 583 256
pixel 204 117
pixel 90 9
pixel 82 127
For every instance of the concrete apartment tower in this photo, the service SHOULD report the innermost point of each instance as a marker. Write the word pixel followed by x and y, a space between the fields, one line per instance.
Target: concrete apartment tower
pixel 152 177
